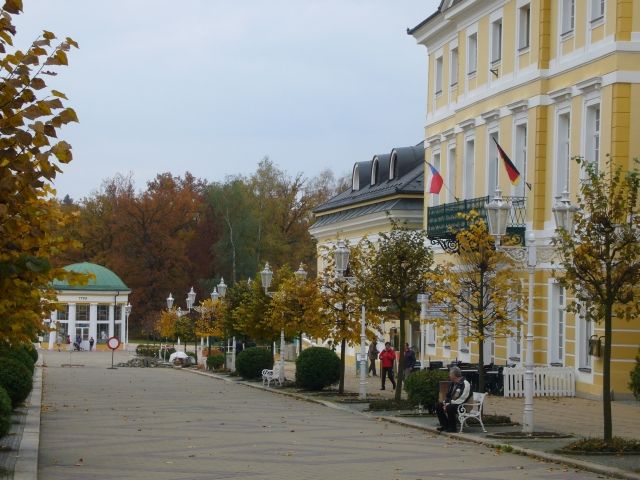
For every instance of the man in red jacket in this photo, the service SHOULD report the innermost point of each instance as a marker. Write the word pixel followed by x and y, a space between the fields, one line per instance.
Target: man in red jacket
pixel 387 357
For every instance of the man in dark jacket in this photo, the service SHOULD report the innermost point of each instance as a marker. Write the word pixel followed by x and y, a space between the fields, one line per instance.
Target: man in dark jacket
pixel 458 393
pixel 409 360
pixel 373 356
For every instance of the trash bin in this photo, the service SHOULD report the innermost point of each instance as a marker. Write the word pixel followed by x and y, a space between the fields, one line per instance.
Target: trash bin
pixel 359 362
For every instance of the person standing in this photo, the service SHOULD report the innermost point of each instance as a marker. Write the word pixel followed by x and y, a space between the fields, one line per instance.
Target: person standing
pixel 387 359
pixel 373 356
pixel 409 360
pixel 458 393
pixel 91 342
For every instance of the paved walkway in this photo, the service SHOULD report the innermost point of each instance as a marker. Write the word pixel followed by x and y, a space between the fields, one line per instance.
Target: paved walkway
pixel 566 415
pixel 147 423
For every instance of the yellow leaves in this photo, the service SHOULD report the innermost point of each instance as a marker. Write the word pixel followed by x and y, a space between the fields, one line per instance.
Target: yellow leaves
pixel 62 151
pixel 56 93
pixel 38 83
pixel 58 58
pixel 167 322
pixel 48 35
pixel 13 6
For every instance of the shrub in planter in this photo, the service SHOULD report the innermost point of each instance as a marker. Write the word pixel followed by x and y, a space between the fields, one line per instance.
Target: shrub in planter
pixel 423 387
pixel 147 350
pixel 251 362
pixel 316 368
pixel 16 379
pixel 31 350
pixel 5 412
pixel 215 360
pixel 21 355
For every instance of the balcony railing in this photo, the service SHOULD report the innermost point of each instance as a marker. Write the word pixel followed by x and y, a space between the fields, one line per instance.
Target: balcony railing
pixel 444 221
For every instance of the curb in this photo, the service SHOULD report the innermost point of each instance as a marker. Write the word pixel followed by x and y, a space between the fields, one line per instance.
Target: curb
pixel 549 457
pixel 26 467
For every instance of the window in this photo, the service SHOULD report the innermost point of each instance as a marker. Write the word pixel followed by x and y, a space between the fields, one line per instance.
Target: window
pixel 435 198
pixel 438 75
pixel 592 139
pixel 118 312
pixel 562 153
pixel 451 174
pixel 472 55
pixel 585 331
pixel 557 326
pixel 374 172
pixel 431 334
pixel 520 158
pixel 568 16
pixel 453 67
pixel 117 332
pixel 496 41
pixel 82 312
pixel 62 313
pixel 355 179
pixel 393 165
pixel 463 333
pixel 524 26
pixel 103 313
pixel 102 334
pixel 514 346
pixel 469 161
pixel 492 183
pixel 597 9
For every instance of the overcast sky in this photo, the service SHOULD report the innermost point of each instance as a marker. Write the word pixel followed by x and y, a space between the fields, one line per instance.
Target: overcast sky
pixel 212 86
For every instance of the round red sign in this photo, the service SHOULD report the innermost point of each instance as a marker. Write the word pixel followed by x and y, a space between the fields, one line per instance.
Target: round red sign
pixel 113 343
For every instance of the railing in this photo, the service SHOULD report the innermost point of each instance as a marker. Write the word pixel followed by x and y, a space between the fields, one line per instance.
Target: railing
pixel 547 382
pixel 444 221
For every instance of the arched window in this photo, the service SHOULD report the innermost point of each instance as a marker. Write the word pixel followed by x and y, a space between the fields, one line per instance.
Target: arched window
pixel 374 172
pixel 392 166
pixel 355 179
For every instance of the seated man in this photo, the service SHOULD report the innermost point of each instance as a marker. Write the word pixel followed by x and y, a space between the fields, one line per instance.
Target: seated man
pixel 458 393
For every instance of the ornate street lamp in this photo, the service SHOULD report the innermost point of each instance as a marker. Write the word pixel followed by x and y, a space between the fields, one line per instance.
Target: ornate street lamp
pixel 564 212
pixel 497 216
pixel 191 298
pixel 266 275
pixel 170 301
pixel 222 288
pixel 214 294
pixel 341 257
pixel 301 273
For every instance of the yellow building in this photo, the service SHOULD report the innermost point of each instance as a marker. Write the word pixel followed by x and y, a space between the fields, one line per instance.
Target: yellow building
pixel 389 186
pixel 548 80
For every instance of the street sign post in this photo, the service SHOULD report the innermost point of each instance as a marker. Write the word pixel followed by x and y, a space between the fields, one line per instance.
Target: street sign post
pixel 113 343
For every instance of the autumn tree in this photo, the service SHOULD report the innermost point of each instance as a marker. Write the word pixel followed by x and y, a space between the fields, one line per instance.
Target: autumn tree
pixel 31 157
pixel 479 293
pixel 209 323
pixel 600 260
pixel 391 273
pixel 250 313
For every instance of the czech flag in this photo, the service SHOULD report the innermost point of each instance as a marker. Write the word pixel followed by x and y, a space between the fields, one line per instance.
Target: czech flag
pixel 436 181
pixel 512 171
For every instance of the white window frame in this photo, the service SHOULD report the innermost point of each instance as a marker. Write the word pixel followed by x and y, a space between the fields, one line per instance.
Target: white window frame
pixel 592 130
pixel 439 75
pixel 431 338
pixel 451 172
pixel 562 150
pixel 472 54
pixel 492 161
pixel 355 178
pixel 557 322
pixel 597 9
pixel 468 187
pixel 496 42
pixel 375 172
pixel 524 27
pixel 454 61
pixel 585 329
pixel 568 18
pixel 436 161
pixel 520 152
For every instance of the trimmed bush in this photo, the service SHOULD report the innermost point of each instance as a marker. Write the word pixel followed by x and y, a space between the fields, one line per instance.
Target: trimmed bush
pixel 316 368
pixel 634 381
pixel 31 350
pixel 251 362
pixel 21 355
pixel 423 387
pixel 16 379
pixel 215 360
pixel 5 412
pixel 147 350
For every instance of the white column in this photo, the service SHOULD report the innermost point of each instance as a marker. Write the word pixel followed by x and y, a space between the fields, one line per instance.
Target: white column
pixel 111 319
pixel 423 343
pixel 363 356
pixel 93 322
pixel 527 423
pixel 72 324
pixel 53 332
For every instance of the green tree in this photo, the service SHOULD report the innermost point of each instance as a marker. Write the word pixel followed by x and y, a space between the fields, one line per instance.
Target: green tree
pixel 601 260
pixel 391 273
pixel 31 156
pixel 250 313
pixel 478 292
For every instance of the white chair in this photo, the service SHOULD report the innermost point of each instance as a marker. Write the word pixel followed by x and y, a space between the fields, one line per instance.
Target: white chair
pixel 472 409
pixel 269 376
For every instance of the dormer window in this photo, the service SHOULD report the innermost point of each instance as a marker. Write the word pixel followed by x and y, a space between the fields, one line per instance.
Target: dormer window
pixel 355 179
pixel 374 172
pixel 393 166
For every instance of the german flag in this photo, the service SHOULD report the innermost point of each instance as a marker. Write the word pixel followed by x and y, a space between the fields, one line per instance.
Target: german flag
pixel 512 171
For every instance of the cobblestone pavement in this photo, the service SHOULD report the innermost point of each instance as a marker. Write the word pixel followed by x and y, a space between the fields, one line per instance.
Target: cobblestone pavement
pixel 156 424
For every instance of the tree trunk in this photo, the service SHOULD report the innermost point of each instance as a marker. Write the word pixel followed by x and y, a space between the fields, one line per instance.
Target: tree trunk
pixel 481 367
pixel 300 343
pixel 343 351
pixel 401 356
pixel 606 375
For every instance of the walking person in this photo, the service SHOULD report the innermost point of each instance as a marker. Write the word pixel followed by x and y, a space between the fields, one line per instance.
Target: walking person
pixel 458 393
pixel 387 359
pixel 373 356
pixel 91 342
pixel 409 360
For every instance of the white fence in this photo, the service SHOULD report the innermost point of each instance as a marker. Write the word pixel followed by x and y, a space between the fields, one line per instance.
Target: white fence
pixel 547 382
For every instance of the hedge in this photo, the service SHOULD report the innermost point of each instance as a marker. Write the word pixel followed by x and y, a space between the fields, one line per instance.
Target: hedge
pixel 316 368
pixel 251 362
pixel 16 379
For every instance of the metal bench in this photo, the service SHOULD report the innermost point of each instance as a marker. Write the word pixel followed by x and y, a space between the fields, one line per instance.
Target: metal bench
pixel 272 375
pixel 472 409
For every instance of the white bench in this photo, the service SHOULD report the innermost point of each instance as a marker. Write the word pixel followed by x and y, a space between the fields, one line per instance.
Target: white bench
pixel 472 409
pixel 272 375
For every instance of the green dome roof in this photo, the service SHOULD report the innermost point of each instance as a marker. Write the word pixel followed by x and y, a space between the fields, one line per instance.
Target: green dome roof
pixel 105 279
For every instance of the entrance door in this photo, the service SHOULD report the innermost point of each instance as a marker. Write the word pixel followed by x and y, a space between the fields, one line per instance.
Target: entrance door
pixel 83 333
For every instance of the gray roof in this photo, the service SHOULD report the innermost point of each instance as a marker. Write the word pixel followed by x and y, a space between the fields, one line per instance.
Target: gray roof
pixel 386 206
pixel 408 178
pixel 442 7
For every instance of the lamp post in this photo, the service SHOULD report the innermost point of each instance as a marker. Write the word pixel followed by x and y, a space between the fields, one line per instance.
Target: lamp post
pixel 266 277
pixel 301 276
pixel 497 217
pixel 341 257
pixel 190 300
pixel 127 312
